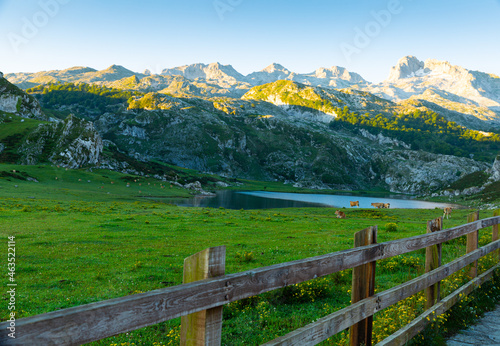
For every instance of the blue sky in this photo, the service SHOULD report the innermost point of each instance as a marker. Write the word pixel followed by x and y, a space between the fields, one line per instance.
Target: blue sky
pixel 365 36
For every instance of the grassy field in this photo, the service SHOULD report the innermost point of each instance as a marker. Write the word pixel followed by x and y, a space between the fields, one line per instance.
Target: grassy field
pixel 86 237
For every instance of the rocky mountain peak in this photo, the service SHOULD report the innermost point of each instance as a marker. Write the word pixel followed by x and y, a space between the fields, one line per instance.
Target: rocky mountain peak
pixel 75 70
pixel 407 67
pixel 338 73
pixel 269 74
pixel 118 69
pixel 1 75
pixel 444 67
pixel 275 67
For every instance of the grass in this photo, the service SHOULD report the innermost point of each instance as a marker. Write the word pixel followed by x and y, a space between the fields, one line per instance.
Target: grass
pixel 97 185
pixel 77 244
pixel 13 124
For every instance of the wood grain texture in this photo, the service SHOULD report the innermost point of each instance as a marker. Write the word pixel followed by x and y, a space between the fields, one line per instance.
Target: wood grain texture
pixel 405 334
pixel 363 286
pixel 203 327
pixel 494 235
pixel 433 261
pixel 327 326
pixel 473 242
pixel 90 322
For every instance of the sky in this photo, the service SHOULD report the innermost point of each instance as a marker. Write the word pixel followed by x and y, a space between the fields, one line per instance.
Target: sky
pixel 364 36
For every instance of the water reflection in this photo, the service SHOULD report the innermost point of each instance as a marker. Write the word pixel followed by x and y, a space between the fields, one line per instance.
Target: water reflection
pixel 239 200
pixel 269 200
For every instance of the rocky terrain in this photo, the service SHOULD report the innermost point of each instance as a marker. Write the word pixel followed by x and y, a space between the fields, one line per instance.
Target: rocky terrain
pixel 71 142
pixel 254 138
pixel 213 119
pixel 15 101
pixel 473 97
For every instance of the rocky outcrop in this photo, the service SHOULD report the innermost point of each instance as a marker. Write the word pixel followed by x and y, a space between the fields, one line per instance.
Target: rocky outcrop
pixel 472 97
pixel 495 170
pixel 420 172
pixel 72 143
pixel 16 101
pixel 407 67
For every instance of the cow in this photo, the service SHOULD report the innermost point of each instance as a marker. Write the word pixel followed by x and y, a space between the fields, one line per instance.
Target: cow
pixel 447 212
pixel 340 214
pixel 354 204
pixel 387 205
pixel 378 205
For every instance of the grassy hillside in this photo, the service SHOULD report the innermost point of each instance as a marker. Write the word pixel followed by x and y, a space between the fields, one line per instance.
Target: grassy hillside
pixel 92 246
pixel 13 132
pixel 11 124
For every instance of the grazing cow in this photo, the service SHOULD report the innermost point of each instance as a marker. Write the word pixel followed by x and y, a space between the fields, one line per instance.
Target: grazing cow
pixel 354 204
pixel 340 214
pixel 378 205
pixel 387 205
pixel 447 212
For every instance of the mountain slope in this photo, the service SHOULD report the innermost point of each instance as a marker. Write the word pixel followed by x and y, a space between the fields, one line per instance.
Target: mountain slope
pixel 71 75
pixel 14 100
pixel 471 98
pixel 296 96
pixel 474 94
pixel 27 137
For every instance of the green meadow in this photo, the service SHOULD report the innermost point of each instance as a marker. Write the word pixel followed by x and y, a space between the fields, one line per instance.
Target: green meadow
pixel 84 236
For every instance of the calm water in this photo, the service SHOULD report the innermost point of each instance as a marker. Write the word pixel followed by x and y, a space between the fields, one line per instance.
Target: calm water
pixel 267 200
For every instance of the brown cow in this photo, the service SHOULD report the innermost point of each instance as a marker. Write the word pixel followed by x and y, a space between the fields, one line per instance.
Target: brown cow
pixel 354 204
pixel 340 214
pixel 387 205
pixel 447 212
pixel 378 205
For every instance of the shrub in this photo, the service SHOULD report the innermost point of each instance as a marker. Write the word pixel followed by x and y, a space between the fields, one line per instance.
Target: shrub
pixel 244 257
pixel 391 227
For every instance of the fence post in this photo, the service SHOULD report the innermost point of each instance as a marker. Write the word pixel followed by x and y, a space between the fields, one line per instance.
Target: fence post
pixel 433 261
pixel 494 236
pixel 203 327
pixel 363 286
pixel 473 242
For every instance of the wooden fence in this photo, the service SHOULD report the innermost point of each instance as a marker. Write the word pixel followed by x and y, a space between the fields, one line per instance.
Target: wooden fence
pixel 206 290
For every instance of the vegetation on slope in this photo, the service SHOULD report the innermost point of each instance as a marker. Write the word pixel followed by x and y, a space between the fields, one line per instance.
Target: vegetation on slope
pixel 426 131
pixel 86 95
pixel 14 131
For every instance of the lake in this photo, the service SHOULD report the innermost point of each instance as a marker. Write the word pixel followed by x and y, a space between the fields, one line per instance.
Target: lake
pixel 267 200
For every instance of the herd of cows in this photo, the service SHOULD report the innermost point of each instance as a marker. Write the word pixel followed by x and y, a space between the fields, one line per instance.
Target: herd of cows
pixel 341 214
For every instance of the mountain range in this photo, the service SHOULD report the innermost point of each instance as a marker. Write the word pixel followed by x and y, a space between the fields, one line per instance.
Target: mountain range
pixel 470 98
pixel 329 128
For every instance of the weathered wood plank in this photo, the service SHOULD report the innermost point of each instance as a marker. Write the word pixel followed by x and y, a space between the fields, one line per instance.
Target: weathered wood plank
pixel 99 320
pixel 433 261
pixel 405 334
pixel 473 242
pixel 327 326
pixel 363 286
pixel 494 235
pixel 203 327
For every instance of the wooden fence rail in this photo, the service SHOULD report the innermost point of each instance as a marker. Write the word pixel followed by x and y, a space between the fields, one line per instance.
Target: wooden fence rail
pixel 86 323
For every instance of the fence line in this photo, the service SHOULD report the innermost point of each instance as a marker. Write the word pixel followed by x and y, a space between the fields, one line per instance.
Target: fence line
pixel 342 319
pixel 90 322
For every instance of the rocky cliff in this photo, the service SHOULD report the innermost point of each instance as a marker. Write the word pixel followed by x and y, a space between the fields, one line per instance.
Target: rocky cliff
pixel 15 101
pixel 71 143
